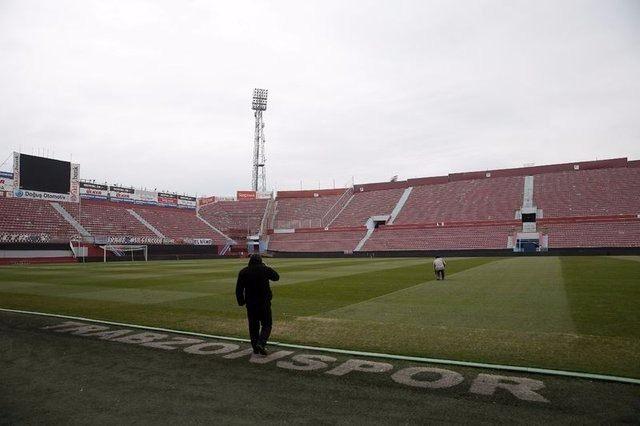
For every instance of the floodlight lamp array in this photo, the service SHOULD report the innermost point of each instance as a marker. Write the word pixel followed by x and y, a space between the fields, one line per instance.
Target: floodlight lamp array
pixel 259 99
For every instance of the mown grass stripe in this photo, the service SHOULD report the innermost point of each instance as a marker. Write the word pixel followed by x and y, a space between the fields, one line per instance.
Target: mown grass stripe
pixel 472 364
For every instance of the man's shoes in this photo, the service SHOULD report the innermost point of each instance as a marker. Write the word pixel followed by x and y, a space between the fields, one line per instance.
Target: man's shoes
pixel 261 350
pixel 255 351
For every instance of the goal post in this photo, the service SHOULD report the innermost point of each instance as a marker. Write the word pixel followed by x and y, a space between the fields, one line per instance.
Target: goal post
pixel 121 250
pixel 78 249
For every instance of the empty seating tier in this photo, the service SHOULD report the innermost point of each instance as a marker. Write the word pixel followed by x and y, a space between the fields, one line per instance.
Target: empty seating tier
pixel 468 200
pixel 440 238
pixel 178 223
pixel 363 205
pixel 302 212
pixel 601 192
pixel 107 219
pixel 322 241
pixel 35 218
pixel 586 204
pixel 593 234
pixel 243 215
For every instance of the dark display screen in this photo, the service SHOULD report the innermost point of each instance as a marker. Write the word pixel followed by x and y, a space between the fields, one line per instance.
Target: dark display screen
pixel 44 174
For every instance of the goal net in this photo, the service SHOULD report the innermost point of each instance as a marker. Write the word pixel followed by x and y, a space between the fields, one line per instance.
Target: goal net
pixel 121 250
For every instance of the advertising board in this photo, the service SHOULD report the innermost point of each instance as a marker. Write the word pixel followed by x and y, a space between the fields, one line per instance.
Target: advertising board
pixel 203 201
pixel 136 196
pixel 186 202
pixel 246 195
pixel 121 194
pixel 142 196
pixel 263 195
pixel 166 199
pixel 94 191
pixel 6 181
pixel 202 241
pixel 74 184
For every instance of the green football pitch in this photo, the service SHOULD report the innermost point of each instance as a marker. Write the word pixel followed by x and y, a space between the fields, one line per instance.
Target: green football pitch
pixel 570 313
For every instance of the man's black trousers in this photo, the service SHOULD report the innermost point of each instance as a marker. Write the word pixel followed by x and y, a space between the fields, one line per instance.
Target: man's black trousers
pixel 259 324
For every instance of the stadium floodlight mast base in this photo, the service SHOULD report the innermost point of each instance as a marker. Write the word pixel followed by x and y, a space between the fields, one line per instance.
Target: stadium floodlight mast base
pixel 258 173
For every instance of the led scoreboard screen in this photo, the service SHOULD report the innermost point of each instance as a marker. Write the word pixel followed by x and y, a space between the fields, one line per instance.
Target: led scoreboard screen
pixel 44 174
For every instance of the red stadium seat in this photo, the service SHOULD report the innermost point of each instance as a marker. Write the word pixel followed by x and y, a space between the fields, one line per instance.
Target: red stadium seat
pixel 584 205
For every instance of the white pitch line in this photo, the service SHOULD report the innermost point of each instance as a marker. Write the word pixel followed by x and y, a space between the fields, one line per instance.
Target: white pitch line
pixel 534 370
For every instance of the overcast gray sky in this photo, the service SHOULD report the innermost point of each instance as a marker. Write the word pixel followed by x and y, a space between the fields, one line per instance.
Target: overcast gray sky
pixel 157 94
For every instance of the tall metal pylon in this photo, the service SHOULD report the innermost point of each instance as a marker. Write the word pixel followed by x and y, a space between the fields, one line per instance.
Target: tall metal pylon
pixel 258 172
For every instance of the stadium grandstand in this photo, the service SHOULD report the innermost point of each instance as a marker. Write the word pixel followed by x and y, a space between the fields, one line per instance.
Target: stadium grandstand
pixel 582 206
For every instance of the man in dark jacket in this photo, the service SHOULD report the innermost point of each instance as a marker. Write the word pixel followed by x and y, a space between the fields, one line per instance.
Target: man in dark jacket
pixel 253 290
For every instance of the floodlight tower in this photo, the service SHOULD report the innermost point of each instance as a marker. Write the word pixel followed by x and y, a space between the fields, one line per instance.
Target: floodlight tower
pixel 258 173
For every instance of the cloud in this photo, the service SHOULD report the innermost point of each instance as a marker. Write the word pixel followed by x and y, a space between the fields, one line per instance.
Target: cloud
pixel 157 94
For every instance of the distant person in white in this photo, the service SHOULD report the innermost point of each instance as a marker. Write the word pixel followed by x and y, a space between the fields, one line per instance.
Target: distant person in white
pixel 439 266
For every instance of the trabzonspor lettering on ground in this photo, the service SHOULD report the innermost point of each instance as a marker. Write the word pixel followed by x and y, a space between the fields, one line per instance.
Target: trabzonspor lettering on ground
pixel 522 388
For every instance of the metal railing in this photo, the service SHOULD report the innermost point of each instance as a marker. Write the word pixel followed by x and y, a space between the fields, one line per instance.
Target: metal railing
pixel 327 219
pixel 268 211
